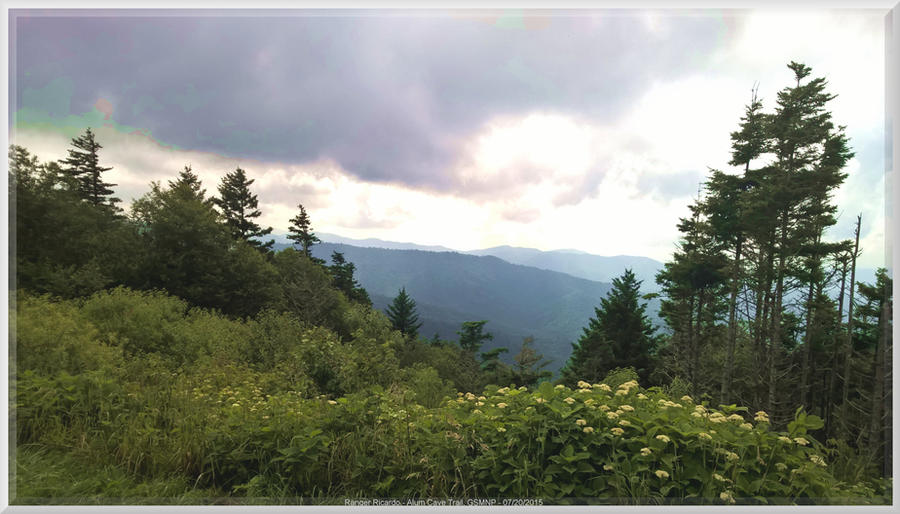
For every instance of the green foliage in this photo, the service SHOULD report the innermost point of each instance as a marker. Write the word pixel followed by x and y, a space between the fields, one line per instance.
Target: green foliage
pixel 402 313
pixel 301 233
pixel 619 335
pixel 342 277
pixel 472 335
pixel 83 166
pixel 239 209
pixel 526 369
pixel 53 337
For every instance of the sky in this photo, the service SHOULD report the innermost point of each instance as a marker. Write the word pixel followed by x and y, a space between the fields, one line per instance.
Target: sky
pixel 588 130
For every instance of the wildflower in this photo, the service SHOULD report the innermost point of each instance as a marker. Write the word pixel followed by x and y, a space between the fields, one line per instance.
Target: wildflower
pixel 265 417
pixel 780 466
pixel 662 474
pixel 727 496
pixel 704 435
pixel 604 408
pixel 580 422
pixel 735 417
pixel 589 401
pixel 479 404
pixel 719 477
pixel 482 398
pixel 539 400
pixel 584 385
pixel 604 387
pixel 642 396
pixel 529 408
pixel 817 460
pixel 784 439
pixel 746 426
pixel 731 456
pixel 627 408
pixel 235 404
pixel 620 412
pixel 588 430
pixel 616 431
pixel 612 415
pixel 645 451
pixel 584 390
pixel 621 392
pixel 476 411
pixel 762 416
pixel 458 393
pixel 460 400
pixel 700 408
pixel 503 390
pixel 560 386
pixel 501 405
pixel 717 418
pixel 687 398
pixel 625 423
pixel 501 429
pixel 801 441
pixel 569 400
pixel 608 467
pixel 663 438
pixel 523 388
pixel 470 396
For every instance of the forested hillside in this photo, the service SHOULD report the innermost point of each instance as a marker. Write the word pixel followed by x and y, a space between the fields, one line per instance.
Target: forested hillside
pixel 170 352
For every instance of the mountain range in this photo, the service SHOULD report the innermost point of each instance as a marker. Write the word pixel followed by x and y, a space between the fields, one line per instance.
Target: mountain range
pixel 518 300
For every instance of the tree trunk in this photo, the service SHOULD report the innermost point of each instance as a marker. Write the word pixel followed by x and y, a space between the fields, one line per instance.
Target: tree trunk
pixel 775 346
pixel 829 418
pixel 732 325
pixel 848 346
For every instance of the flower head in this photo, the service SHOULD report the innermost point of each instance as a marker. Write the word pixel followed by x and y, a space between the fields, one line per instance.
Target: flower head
pixel 645 451
pixel 687 398
pixel 784 439
pixel 583 385
pixel 704 435
pixel 727 496
pixel 719 477
pixel 661 474
pixel 625 423
pixel 560 386
pixel 608 467
pixel 539 400
pixel 627 408
pixel 816 459
pixel 604 387
pixel 746 426
pixel 580 422
pixel 801 441
pixel 501 429
pixel 612 415
pixel 501 405
pixel 569 400
pixel 588 430
pixel 616 431
pixel 332 402
pixel 762 416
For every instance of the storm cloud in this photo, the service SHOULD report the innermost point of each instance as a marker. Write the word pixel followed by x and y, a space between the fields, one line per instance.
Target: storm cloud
pixel 390 97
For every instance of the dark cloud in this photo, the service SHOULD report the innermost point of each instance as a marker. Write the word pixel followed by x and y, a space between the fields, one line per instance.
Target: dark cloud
pixel 391 98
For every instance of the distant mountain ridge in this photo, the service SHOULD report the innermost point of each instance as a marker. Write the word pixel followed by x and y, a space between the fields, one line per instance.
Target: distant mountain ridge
pixel 451 287
pixel 572 262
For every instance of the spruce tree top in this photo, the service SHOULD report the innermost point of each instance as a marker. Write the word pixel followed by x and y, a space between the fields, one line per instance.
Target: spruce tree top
pixel 83 165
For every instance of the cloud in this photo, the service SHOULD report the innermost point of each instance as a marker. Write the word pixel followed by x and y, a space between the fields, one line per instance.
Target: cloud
pixel 558 131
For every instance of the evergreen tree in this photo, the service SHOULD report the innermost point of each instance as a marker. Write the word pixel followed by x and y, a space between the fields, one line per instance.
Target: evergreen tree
pixel 300 232
pixel 527 366
pixel 342 276
pixel 402 313
pixel 239 208
pixel 83 165
pixel 472 336
pixel 620 335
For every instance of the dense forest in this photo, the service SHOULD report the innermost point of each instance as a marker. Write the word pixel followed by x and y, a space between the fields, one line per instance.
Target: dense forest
pixel 167 354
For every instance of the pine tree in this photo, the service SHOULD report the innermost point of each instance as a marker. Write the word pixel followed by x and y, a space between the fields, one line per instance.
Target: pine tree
pixel 83 165
pixel 239 208
pixel 620 335
pixel 527 366
pixel 300 232
pixel 472 336
pixel 403 316
pixel 342 276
